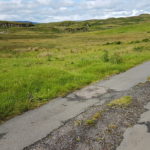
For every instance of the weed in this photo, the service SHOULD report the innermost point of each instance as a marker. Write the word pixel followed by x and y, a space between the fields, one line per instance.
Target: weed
pixel 98 139
pixel 123 101
pixel 93 119
pixel 90 122
pixel 78 122
pixel 112 126
pixel 78 139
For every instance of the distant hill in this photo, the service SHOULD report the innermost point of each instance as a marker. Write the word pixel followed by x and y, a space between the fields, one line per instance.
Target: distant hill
pixel 91 25
pixel 27 22
pixel 77 26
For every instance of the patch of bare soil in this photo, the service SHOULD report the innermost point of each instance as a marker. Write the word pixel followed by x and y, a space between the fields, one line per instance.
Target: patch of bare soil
pixel 101 127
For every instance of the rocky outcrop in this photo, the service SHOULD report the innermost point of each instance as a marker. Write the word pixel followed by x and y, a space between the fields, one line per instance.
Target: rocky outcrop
pixel 7 24
pixel 81 29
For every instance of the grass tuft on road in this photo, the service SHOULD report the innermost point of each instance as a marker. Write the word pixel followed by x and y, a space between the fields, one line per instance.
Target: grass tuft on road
pixel 123 101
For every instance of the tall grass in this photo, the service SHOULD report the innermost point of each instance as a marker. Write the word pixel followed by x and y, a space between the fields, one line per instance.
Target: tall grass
pixel 37 68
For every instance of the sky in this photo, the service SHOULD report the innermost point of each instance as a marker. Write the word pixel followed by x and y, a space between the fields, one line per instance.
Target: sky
pixel 60 10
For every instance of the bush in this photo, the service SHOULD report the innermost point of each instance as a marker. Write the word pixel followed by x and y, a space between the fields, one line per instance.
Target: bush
pixel 118 42
pixel 133 42
pixel 145 40
pixel 107 43
pixel 49 58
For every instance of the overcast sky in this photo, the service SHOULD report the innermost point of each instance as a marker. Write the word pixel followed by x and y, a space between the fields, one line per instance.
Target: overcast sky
pixel 59 10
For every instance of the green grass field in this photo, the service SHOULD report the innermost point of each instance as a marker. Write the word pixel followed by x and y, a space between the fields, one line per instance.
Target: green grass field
pixel 38 64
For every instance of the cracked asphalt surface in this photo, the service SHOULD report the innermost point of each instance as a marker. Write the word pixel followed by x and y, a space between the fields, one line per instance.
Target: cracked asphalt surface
pixel 138 136
pixel 107 132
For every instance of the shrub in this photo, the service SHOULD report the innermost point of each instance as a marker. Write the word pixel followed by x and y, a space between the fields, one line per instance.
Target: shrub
pixel 145 40
pixel 118 42
pixel 108 43
pixel 49 58
pixel 133 42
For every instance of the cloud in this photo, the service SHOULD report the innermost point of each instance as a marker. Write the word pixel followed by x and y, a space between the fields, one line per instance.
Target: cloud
pixel 44 2
pixel 91 4
pixel 59 10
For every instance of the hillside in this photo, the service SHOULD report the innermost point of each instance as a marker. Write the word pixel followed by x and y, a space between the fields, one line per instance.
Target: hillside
pixel 92 25
pixel 79 26
pixel 45 61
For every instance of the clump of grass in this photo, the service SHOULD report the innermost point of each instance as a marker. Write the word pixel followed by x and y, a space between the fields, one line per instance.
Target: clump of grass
pixel 49 58
pixel 78 139
pixel 105 56
pixel 118 42
pixel 112 126
pixel 137 41
pixel 45 54
pixel 90 122
pixel 115 42
pixel 134 42
pixel 116 59
pixel 148 78
pixel 93 119
pixel 107 43
pixel 138 49
pixel 78 122
pixel 123 101
pixel 49 55
pixel 145 40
